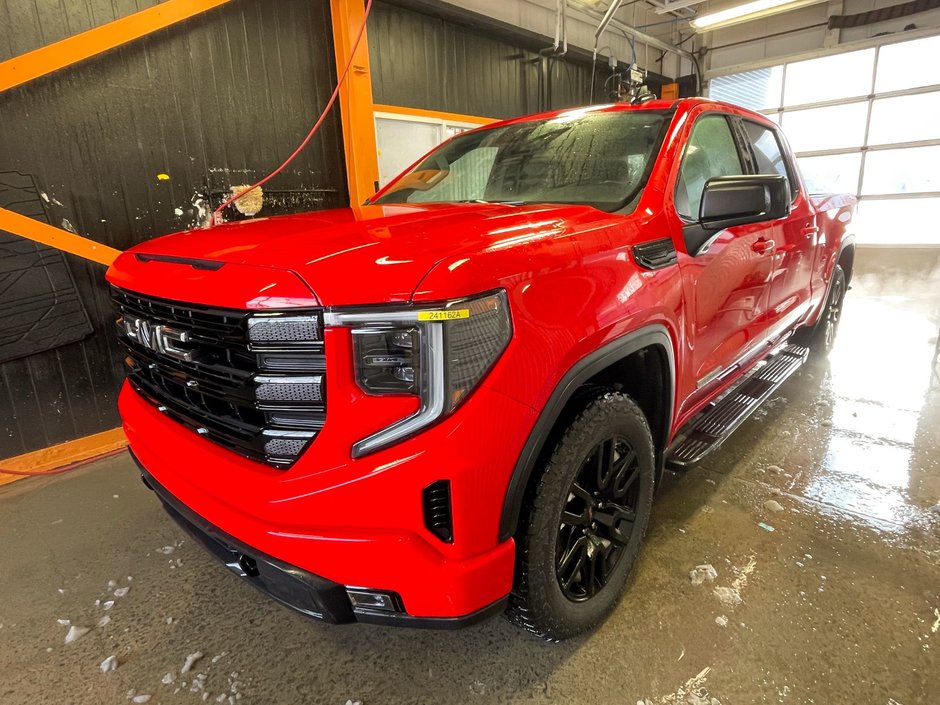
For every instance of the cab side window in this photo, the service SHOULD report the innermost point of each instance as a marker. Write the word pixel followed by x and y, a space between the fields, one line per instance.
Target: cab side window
pixel 770 159
pixel 710 152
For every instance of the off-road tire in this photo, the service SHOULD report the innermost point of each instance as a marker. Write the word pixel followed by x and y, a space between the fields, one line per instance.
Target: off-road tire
pixel 538 603
pixel 820 337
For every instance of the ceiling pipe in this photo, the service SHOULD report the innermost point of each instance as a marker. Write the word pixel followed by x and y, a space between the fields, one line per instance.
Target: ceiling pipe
pixel 641 37
pixel 601 26
pixel 605 20
pixel 561 28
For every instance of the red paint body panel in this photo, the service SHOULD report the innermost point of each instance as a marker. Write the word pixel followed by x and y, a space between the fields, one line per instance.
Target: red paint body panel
pixel 237 286
pixel 573 285
pixel 350 256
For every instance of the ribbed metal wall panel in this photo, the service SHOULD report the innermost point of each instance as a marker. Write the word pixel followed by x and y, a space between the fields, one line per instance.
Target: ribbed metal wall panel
pixel 213 102
pixel 32 25
pixel 423 61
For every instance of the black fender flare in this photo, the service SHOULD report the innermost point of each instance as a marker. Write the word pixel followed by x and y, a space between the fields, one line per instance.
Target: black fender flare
pixel 653 335
pixel 848 242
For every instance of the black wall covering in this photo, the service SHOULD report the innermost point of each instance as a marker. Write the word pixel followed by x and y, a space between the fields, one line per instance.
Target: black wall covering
pixel 451 60
pixel 210 103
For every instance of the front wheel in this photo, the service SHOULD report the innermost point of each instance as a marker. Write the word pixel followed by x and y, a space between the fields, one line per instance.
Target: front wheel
pixel 585 521
pixel 821 337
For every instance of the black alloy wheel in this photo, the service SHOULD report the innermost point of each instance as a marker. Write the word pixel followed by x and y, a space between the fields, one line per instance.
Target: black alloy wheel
pixel 833 310
pixel 598 518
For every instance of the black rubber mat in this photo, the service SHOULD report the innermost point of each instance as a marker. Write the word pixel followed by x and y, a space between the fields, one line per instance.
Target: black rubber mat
pixel 40 305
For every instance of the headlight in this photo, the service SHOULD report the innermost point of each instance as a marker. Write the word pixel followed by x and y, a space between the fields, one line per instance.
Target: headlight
pixel 388 359
pixel 438 353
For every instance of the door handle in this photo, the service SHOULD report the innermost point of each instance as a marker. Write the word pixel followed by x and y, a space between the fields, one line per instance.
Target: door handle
pixel 810 231
pixel 762 245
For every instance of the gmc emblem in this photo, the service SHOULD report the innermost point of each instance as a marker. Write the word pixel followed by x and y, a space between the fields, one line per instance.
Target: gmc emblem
pixel 157 338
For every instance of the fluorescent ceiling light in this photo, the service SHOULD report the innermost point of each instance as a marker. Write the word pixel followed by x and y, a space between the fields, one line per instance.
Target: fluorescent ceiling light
pixel 746 12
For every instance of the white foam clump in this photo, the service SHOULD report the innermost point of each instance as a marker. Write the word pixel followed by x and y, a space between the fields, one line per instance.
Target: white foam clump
pixel 190 660
pixel 76 633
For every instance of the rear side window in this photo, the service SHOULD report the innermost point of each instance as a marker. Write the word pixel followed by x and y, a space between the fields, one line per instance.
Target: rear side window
pixel 711 152
pixel 770 159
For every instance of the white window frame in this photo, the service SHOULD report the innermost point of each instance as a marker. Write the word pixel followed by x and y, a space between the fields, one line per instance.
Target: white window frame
pixel 442 122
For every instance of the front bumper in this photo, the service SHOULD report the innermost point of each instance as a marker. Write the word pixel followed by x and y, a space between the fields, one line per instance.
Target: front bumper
pixel 356 523
pixel 294 587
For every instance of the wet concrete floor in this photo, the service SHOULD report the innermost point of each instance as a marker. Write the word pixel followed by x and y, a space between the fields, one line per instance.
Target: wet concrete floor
pixel 840 602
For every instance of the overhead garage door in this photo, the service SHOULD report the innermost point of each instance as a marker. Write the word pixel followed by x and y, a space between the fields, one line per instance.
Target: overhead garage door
pixel 863 122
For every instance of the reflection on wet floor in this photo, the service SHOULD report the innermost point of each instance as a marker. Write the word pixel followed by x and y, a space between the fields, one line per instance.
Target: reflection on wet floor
pixel 830 488
pixel 876 411
pixel 868 479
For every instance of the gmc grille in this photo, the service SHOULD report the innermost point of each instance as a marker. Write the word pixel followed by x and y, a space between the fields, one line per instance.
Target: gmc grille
pixel 252 382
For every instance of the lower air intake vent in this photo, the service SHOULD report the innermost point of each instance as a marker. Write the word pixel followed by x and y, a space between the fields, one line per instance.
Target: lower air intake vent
pixel 437 511
pixel 285 447
pixel 307 389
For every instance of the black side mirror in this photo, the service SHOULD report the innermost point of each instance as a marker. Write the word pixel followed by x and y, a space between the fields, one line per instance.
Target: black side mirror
pixel 736 200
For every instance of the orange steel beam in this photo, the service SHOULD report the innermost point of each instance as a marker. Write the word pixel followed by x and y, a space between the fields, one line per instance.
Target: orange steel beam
pixel 39 62
pixel 355 100
pixel 56 237
pixel 58 456
pixel 436 114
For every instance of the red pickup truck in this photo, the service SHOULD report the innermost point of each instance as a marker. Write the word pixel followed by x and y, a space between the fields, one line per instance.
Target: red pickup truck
pixel 458 399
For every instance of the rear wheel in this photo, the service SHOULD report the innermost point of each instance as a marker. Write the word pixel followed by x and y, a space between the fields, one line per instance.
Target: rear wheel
pixel 821 337
pixel 583 526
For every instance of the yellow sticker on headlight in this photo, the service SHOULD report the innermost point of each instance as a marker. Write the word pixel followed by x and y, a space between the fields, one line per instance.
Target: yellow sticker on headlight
pixel 450 315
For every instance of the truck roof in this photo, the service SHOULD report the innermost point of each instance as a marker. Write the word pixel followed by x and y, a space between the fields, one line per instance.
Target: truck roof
pixel 680 105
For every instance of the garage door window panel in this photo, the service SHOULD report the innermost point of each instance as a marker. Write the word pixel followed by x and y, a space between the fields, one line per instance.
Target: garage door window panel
pixel 835 173
pixel 807 81
pixel 833 127
pixel 758 90
pixel 897 221
pixel 907 65
pixel 897 171
pixel 907 118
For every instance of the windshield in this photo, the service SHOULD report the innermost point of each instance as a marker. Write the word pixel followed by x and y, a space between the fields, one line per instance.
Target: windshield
pixel 601 159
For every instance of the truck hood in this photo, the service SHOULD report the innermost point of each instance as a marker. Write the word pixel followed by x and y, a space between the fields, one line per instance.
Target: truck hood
pixel 348 256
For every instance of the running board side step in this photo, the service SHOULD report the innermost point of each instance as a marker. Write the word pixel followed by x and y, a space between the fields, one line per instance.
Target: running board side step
pixel 711 426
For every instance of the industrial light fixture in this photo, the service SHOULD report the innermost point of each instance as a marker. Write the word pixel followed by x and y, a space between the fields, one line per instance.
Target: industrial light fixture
pixel 745 13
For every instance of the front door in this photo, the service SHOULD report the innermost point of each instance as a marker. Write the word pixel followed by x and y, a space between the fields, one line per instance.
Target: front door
pixel 727 275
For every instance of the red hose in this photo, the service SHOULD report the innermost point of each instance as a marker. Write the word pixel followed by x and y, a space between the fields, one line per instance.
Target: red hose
pixel 60 471
pixel 313 130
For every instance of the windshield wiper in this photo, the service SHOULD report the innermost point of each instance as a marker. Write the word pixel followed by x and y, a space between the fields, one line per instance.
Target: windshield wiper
pixel 482 200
